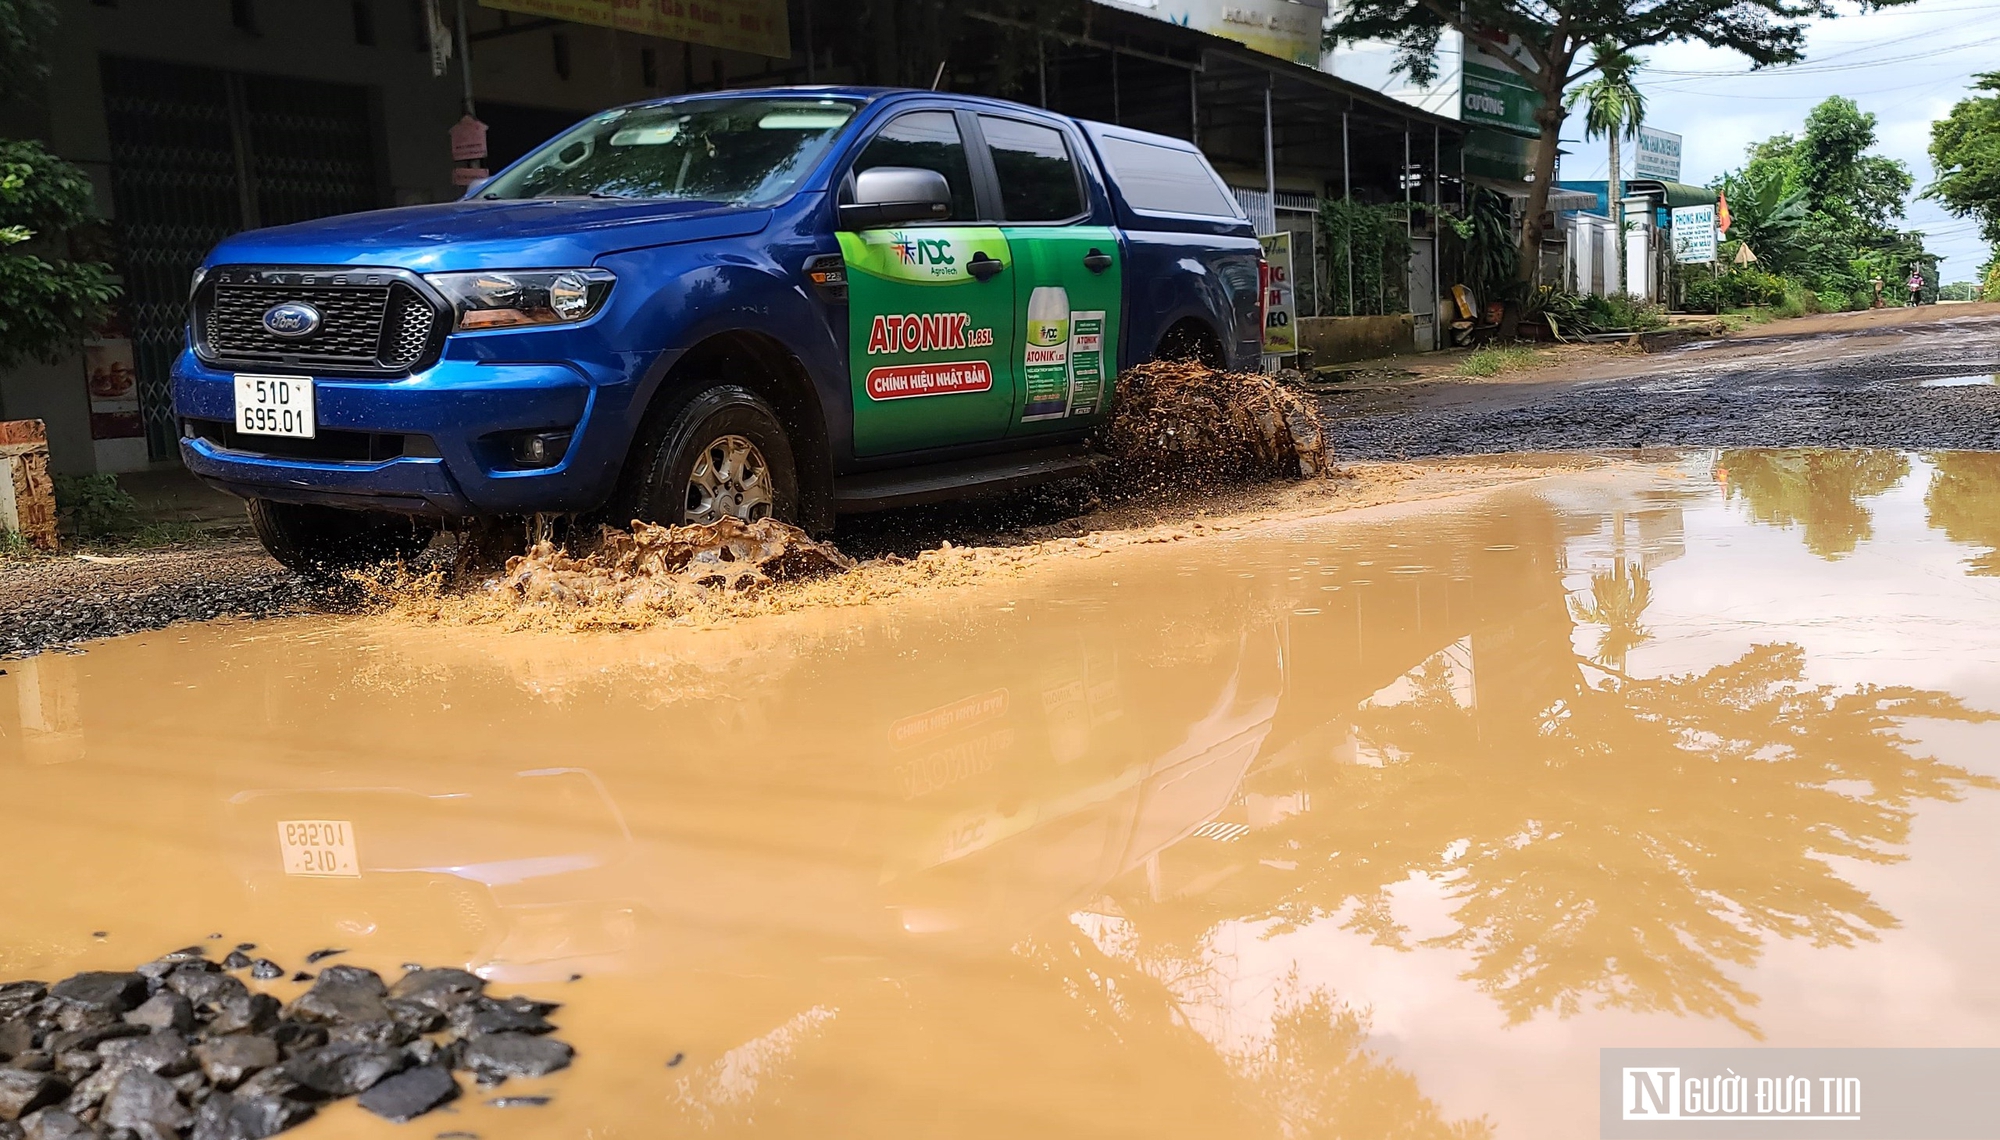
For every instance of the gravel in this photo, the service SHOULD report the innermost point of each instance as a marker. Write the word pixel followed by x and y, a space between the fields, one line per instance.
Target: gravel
pixel 1824 390
pixel 179 1049
pixel 55 603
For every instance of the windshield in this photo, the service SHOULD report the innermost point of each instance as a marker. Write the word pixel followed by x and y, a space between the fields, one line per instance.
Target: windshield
pixel 743 151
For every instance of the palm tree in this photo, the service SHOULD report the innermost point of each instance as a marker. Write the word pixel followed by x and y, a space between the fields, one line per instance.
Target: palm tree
pixel 1613 107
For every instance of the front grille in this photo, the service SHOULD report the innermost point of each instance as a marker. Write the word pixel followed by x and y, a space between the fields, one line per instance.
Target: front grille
pixel 408 331
pixel 350 331
pixel 381 324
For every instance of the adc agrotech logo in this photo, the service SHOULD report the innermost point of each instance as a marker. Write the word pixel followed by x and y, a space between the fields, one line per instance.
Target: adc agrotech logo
pixel 922 251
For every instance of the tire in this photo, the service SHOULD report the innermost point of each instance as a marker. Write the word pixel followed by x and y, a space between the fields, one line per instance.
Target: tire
pixel 721 452
pixel 1190 343
pixel 325 540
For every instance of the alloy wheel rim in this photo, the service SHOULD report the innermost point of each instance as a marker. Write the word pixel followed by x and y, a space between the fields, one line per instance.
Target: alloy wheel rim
pixel 730 479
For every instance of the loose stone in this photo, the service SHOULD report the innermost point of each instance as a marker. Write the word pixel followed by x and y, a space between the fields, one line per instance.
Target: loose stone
pixel 101 989
pixel 228 1061
pixel 23 1092
pixel 342 993
pixel 165 1010
pixel 411 1093
pixel 145 1103
pixel 497 1056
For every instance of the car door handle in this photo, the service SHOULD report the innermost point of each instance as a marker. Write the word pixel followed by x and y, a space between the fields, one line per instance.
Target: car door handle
pixel 1097 261
pixel 983 267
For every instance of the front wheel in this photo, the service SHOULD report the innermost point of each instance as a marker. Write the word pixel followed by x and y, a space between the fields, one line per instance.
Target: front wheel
pixel 325 540
pixel 721 455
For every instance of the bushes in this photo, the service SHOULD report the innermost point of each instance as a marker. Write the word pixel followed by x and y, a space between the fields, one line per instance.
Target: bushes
pixel 1706 291
pixel 1376 238
pixel 94 506
pixel 1576 314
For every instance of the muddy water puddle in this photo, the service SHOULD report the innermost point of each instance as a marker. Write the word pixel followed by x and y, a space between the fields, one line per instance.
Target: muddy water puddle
pixel 1379 825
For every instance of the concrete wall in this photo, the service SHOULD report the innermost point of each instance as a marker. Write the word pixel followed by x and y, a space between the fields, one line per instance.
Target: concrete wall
pixel 1337 340
pixel 316 39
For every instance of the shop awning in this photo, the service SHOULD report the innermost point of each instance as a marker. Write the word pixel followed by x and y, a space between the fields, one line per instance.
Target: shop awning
pixel 1674 194
pixel 1560 199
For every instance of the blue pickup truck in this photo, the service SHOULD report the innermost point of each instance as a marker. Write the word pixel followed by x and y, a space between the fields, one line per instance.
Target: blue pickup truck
pixel 788 303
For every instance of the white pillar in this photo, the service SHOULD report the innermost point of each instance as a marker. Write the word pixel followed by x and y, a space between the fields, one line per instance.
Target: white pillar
pixel 1579 247
pixel 1607 249
pixel 1638 248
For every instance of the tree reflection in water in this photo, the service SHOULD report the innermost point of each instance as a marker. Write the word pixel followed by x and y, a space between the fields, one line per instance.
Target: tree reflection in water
pixel 1963 501
pixel 1819 489
pixel 1618 600
pixel 1322 1082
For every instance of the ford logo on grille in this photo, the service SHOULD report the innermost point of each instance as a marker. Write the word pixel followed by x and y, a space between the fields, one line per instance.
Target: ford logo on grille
pixel 292 320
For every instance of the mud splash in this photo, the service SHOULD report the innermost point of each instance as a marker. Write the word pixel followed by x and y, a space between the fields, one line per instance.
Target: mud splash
pixel 669 568
pixel 1179 428
pixel 554 590
pixel 1179 423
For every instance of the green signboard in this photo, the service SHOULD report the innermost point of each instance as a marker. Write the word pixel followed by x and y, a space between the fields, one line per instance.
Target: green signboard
pixel 1493 95
pixel 1497 154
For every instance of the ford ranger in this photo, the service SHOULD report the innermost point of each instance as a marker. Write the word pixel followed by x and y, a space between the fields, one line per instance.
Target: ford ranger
pixel 785 303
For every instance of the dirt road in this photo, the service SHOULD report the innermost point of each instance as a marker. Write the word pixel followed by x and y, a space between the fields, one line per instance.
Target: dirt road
pixel 1890 378
pixel 1920 380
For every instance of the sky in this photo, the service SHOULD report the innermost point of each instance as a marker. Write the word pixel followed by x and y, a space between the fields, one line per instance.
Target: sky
pixel 1908 65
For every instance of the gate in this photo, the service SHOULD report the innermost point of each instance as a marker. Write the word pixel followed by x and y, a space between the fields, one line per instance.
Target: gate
pixel 198 154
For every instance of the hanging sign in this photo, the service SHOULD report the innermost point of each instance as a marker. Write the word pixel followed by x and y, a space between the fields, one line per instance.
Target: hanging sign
pixel 468 139
pixel 438 38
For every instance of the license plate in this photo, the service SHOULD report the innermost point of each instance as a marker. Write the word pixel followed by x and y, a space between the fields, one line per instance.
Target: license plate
pixel 318 847
pixel 275 405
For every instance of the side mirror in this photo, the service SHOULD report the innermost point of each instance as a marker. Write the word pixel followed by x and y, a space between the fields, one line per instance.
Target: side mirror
pixel 891 195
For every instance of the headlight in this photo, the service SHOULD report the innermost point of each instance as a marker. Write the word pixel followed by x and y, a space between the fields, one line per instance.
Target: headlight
pixel 511 299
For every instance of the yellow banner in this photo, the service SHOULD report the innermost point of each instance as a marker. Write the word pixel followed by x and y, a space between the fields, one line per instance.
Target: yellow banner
pixel 756 26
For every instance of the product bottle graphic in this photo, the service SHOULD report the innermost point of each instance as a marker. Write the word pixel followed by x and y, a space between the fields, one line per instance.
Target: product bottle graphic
pixel 1046 359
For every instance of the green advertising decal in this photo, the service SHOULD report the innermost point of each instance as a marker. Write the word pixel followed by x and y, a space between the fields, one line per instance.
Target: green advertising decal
pixel 1069 320
pixel 937 355
pixel 928 343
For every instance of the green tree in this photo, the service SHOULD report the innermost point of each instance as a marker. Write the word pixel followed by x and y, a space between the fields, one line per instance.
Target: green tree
pixel 47 300
pixel 1842 180
pixel 1965 152
pixel 1819 208
pixel 1613 107
pixel 1768 213
pixel 24 26
pixel 1542 41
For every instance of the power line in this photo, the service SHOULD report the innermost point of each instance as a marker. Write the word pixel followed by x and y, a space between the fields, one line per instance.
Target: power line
pixel 1812 69
pixel 1927 84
